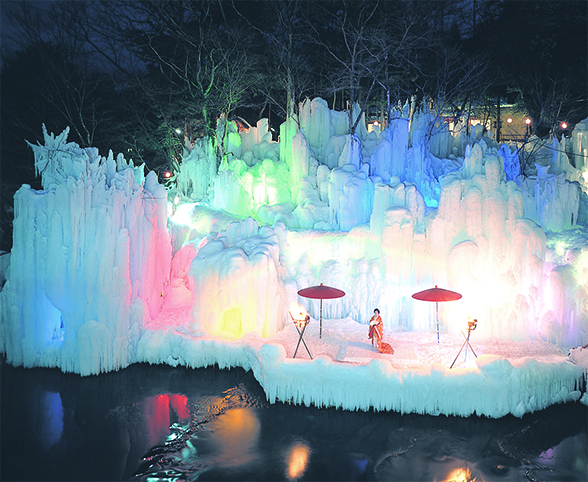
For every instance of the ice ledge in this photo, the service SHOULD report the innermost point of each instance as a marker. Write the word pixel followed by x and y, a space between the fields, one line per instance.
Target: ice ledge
pixel 493 387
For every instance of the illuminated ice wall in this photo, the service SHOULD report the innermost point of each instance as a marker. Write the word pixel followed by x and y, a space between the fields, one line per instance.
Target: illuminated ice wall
pixel 382 217
pixel 90 261
pixel 96 259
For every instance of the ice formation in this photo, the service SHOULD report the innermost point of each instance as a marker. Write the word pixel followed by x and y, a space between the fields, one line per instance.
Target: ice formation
pixel 90 260
pixel 106 271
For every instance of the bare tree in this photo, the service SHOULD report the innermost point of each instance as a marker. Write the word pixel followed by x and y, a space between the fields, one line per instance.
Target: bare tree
pixel 61 80
pixel 397 43
pixel 287 63
pixel 547 102
pixel 197 66
pixel 343 34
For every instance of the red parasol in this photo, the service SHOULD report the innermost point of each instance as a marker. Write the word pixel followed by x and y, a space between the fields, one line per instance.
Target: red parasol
pixel 321 293
pixel 437 294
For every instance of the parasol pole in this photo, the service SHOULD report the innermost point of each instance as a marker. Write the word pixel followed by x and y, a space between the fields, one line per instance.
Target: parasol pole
pixel 437 309
pixel 321 320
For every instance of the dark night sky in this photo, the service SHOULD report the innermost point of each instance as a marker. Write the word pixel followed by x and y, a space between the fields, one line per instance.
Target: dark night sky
pixel 5 27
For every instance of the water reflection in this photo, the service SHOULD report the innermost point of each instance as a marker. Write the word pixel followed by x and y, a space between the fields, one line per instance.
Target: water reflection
pixel 463 474
pixel 569 454
pixel 234 437
pixel 161 411
pixel 297 460
pixel 190 437
pixel 150 423
pixel 50 419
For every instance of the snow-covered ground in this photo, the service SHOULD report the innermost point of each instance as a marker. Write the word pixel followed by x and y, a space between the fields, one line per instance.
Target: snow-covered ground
pixel 346 341
pixel 501 377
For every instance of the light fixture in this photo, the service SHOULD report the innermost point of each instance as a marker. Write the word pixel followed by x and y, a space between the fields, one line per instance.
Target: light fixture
pixel 167 174
pixel 528 121
pixel 564 125
pixel 509 120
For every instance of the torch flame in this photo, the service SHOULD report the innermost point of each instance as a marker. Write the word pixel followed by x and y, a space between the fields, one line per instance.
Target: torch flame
pixel 297 312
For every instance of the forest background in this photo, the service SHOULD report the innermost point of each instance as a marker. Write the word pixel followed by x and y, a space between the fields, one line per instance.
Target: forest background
pixel 148 78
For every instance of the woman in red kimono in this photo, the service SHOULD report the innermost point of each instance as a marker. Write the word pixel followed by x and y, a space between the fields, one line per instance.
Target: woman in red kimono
pixel 377 333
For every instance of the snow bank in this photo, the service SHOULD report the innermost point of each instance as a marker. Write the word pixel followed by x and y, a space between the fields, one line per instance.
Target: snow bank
pixel 493 386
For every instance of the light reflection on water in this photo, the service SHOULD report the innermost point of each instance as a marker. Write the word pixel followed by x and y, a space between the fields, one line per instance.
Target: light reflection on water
pixel 234 437
pixel 51 418
pixel 297 460
pixel 155 423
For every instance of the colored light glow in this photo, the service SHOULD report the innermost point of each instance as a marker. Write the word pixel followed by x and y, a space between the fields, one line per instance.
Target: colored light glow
pixel 231 324
pixel 180 404
pixel 318 247
pixel 272 195
pixel 157 417
pixel 560 248
pixel 183 214
pixel 343 249
pixel 297 460
pixel 167 174
pixel 459 475
pixel 509 120
pixel 52 328
pixel 259 195
pixel 431 202
pixel 51 420
pixel 157 414
pixel 564 125
pixel 235 435
pixel 528 121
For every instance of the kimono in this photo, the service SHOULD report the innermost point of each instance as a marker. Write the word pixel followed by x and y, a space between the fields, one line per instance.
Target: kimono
pixel 376 334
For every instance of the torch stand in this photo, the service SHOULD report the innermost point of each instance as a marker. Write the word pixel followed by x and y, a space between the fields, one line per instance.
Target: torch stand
pixel 301 324
pixel 471 327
